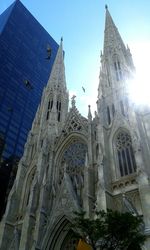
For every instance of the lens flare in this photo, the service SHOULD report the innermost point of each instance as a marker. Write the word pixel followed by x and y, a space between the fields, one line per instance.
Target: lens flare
pixel 139 89
pixel 139 86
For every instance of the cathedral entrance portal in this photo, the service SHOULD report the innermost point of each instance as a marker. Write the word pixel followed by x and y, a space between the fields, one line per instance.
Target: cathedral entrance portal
pixel 61 236
pixel 70 242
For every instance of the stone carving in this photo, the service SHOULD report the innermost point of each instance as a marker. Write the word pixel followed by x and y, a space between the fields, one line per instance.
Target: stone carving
pixel 71 174
pixel 129 205
pixel 72 163
pixel 73 102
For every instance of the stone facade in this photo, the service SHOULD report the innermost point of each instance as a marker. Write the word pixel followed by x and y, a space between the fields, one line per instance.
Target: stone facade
pixel 71 162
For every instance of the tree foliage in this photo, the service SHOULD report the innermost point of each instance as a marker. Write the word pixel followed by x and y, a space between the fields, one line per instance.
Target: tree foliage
pixel 110 230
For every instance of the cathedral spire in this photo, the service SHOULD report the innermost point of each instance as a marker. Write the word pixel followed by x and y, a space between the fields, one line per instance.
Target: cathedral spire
pixel 112 38
pixel 57 76
pixel 56 94
pixel 116 69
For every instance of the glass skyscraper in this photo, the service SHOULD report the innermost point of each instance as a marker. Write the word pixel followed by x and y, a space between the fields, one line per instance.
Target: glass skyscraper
pixel 27 53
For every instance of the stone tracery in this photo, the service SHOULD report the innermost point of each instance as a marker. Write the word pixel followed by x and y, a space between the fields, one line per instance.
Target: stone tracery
pixel 73 161
pixel 125 155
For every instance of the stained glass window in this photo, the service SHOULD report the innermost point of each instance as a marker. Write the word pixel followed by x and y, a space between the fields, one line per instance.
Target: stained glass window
pixel 125 154
pixel 73 162
pixel 74 155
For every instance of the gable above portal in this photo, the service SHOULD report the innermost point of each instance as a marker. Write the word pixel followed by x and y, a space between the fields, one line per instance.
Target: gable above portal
pixel 75 124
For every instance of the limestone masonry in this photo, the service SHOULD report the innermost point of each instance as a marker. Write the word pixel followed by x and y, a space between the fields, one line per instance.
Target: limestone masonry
pixel 71 162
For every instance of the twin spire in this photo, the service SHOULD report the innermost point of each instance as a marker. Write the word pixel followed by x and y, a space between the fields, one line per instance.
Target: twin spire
pixel 57 76
pixel 112 42
pixel 112 38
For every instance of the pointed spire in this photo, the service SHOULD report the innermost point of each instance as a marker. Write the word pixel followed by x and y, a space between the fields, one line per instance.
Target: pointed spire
pixel 57 76
pixel 106 6
pixel 112 38
pixel 89 113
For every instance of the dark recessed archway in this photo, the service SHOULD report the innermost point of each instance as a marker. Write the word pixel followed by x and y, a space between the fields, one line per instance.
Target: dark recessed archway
pixel 61 236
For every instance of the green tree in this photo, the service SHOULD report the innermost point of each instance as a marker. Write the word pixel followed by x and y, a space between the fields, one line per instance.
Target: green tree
pixel 110 230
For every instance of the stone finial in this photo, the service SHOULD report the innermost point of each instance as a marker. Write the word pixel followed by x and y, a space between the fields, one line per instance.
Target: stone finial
pixel 106 6
pixel 73 102
pixel 89 113
pixel 101 56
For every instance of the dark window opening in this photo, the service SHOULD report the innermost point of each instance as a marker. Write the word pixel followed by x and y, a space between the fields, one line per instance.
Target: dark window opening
pixel 124 162
pixel 47 116
pixel 95 135
pixel 108 115
pixel 125 155
pixel 129 160
pixel 48 104
pixel 120 163
pixel 97 151
pixel 113 110
pixel 118 70
pixel 59 116
pixel 58 106
pixel 49 108
pixel 51 104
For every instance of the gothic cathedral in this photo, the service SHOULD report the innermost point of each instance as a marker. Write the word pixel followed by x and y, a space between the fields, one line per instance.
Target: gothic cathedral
pixel 72 162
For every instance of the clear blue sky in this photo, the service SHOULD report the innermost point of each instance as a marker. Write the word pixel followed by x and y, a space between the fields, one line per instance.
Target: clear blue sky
pixel 81 23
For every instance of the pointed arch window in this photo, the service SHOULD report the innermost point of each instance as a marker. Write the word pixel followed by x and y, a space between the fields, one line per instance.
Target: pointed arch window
pixel 118 70
pixel 113 110
pixel 49 108
pixel 124 153
pixel 108 115
pixel 73 162
pixel 58 106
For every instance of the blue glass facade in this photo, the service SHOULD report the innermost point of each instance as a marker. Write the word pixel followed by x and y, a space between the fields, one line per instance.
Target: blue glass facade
pixel 24 71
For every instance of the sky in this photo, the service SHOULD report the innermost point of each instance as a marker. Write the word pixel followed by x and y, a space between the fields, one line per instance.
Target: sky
pixel 81 24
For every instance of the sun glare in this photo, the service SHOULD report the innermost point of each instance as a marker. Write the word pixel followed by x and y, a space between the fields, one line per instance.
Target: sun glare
pixel 139 87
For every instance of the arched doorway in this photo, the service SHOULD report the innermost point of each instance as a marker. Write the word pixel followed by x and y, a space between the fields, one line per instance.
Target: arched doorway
pixel 61 236
pixel 70 242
